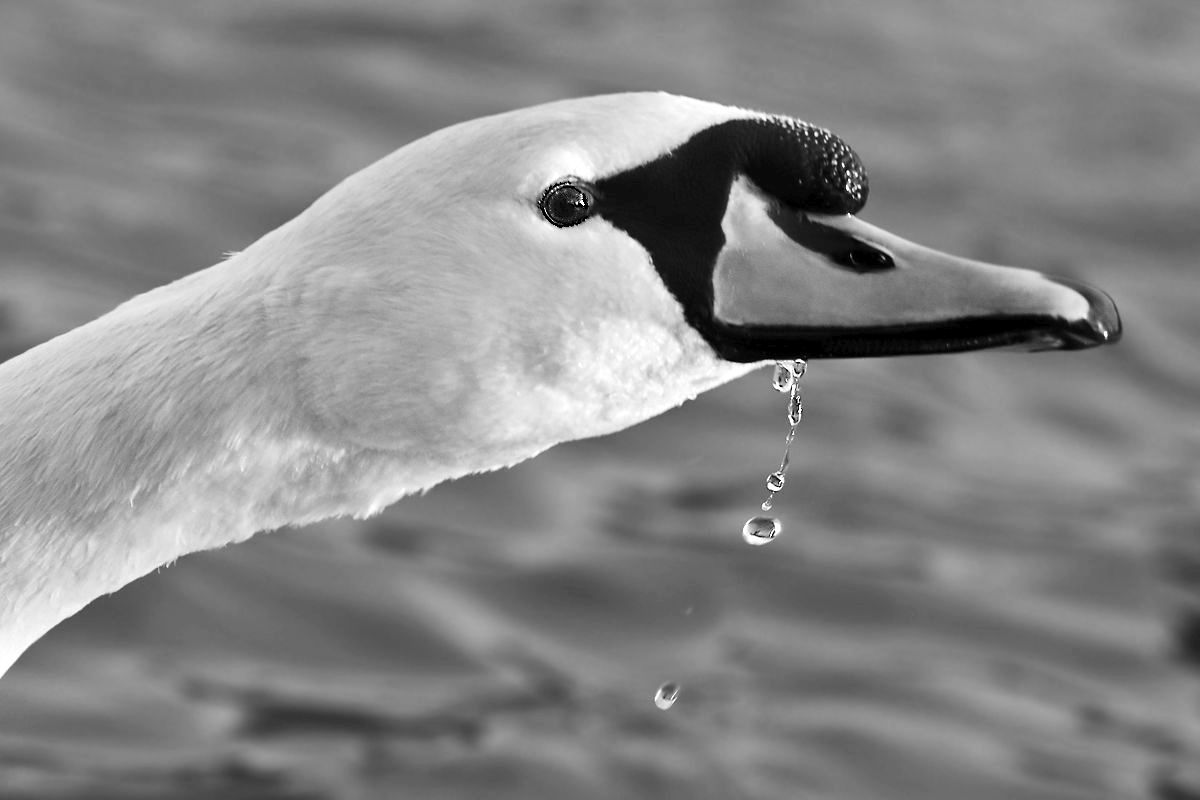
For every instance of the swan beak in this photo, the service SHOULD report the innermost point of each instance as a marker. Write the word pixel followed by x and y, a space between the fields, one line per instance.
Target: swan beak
pixel 790 284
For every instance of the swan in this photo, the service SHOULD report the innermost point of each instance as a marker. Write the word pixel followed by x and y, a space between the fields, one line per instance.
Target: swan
pixel 479 295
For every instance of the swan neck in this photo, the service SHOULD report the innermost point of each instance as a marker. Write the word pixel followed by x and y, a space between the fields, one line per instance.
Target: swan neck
pixel 125 440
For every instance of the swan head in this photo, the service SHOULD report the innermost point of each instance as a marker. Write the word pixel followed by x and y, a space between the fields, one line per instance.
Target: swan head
pixel 573 268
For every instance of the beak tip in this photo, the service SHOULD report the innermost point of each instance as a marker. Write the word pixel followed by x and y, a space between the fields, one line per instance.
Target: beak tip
pixel 1102 325
pixel 1107 320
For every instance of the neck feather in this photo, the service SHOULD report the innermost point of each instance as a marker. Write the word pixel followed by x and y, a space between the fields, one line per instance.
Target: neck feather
pixel 170 425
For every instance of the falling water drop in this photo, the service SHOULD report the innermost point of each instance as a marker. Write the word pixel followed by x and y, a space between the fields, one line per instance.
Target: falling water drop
pixel 666 695
pixel 760 530
pixel 775 482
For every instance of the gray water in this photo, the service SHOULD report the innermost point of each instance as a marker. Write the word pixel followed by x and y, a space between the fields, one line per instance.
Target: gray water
pixel 989 580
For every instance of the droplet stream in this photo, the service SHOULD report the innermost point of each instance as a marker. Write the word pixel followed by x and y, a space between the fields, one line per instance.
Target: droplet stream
pixel 785 378
pixel 793 372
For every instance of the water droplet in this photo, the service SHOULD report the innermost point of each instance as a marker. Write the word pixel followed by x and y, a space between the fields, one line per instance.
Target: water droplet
pixel 775 481
pixel 766 504
pixel 666 695
pixel 795 409
pixel 783 377
pixel 760 530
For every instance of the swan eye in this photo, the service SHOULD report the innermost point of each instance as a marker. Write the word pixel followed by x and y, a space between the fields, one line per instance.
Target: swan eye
pixel 566 203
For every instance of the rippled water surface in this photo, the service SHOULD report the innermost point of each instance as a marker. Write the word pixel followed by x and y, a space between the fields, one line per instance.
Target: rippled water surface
pixel 989 581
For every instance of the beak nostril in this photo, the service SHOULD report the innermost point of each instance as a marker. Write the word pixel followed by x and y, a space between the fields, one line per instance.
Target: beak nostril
pixel 864 258
pixel 838 246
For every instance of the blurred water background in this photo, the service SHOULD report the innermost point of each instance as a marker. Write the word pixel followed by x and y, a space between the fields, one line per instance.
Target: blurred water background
pixel 989 583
